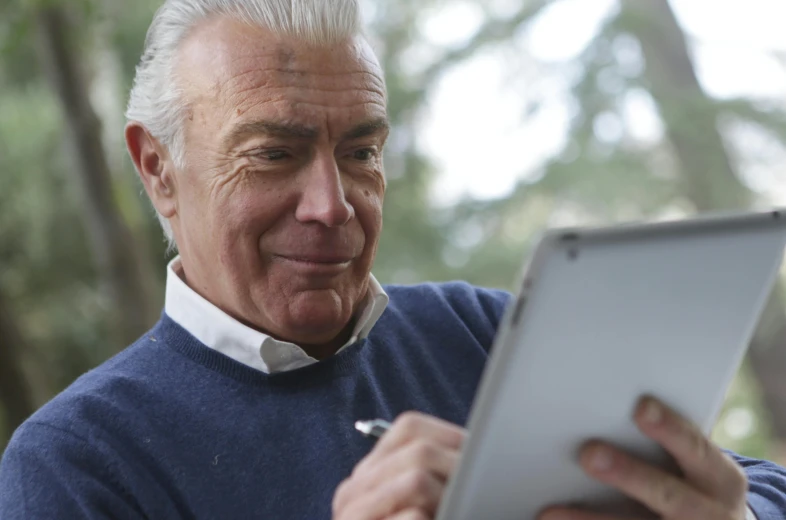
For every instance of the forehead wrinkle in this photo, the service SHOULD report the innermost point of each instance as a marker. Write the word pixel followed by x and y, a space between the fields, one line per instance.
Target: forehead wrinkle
pixel 303 90
pixel 243 100
pixel 301 66
pixel 274 75
pixel 251 78
pixel 295 110
pixel 275 78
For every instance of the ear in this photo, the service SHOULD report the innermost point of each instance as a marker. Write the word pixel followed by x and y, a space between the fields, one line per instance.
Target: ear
pixel 155 167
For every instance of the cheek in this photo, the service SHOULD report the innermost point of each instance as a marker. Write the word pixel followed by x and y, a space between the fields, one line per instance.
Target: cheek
pixel 249 209
pixel 239 221
pixel 368 208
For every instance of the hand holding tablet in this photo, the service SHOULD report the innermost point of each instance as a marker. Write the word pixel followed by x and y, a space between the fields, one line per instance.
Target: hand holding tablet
pixel 604 317
pixel 711 484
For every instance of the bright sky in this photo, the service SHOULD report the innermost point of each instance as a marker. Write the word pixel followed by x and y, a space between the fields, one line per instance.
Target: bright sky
pixel 476 129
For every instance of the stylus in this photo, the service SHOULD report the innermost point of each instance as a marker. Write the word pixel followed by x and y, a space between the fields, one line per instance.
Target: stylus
pixel 375 428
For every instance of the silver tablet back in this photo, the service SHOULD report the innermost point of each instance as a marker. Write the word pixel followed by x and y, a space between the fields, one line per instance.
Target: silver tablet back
pixel 604 317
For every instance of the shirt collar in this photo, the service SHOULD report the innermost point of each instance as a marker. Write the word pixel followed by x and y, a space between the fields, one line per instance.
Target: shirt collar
pixel 219 331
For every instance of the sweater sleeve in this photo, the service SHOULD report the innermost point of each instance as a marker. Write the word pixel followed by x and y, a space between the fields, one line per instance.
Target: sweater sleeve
pixel 767 488
pixel 50 473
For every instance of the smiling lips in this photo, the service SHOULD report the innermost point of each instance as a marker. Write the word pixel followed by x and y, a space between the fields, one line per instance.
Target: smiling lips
pixel 317 263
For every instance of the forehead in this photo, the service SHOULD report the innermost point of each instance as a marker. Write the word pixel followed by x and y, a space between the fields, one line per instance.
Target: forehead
pixel 233 71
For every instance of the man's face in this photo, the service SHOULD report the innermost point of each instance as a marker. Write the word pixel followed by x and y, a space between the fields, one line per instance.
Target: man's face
pixel 279 206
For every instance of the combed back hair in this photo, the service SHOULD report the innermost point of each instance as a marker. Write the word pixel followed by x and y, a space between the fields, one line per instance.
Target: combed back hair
pixel 156 100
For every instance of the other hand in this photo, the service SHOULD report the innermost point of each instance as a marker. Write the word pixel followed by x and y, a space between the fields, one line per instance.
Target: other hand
pixel 404 476
pixel 714 486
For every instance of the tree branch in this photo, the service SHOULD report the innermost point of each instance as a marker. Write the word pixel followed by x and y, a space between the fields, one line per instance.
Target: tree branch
pixel 15 395
pixel 492 31
pixel 116 258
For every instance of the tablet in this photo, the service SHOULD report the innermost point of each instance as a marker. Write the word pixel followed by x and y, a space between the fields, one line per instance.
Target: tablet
pixel 603 317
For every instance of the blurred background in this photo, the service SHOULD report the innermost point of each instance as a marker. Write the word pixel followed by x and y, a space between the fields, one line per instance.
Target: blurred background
pixel 509 116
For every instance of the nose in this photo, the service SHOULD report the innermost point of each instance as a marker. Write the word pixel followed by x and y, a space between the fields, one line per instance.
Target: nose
pixel 323 198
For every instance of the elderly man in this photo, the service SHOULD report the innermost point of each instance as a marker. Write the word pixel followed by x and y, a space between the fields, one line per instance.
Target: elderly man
pixel 257 128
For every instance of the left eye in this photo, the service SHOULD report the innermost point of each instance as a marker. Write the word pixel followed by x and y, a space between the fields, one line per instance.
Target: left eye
pixel 366 154
pixel 273 155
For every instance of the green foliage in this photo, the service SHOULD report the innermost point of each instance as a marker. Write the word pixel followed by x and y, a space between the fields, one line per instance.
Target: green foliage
pixel 744 398
pixel 46 268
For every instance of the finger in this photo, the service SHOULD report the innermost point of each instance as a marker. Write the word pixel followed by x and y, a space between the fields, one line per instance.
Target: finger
pixel 412 490
pixel 343 495
pixel 704 464
pixel 661 492
pixel 562 513
pixel 413 425
pixel 410 514
pixel 419 454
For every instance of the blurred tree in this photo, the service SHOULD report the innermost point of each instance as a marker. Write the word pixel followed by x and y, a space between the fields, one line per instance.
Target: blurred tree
pixel 126 273
pixel 419 238
pixel 708 177
pixel 48 273
pixel 15 396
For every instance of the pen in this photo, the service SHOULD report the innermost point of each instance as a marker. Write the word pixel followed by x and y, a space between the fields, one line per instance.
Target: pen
pixel 375 428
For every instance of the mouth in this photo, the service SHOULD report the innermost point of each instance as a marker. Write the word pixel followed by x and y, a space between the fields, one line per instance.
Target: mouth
pixel 316 264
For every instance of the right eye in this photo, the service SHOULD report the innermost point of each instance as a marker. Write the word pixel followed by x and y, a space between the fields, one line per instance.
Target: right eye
pixel 272 155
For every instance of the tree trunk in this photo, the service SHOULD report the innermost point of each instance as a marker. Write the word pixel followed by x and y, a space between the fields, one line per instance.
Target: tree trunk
pixel 710 181
pixel 15 395
pixel 117 260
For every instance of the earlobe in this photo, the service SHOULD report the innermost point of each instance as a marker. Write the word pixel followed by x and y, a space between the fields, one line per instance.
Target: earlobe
pixel 154 166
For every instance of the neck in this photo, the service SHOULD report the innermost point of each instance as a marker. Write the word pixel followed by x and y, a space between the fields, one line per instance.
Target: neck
pixel 325 350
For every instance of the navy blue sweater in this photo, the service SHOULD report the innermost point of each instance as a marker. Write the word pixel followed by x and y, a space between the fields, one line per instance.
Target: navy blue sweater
pixel 172 429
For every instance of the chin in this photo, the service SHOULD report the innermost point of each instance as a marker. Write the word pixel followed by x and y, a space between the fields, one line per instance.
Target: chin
pixel 317 316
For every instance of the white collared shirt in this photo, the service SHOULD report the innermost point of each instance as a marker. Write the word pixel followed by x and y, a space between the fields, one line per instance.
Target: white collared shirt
pixel 221 332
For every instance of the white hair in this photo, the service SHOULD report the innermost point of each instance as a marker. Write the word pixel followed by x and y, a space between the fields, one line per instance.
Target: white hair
pixel 155 99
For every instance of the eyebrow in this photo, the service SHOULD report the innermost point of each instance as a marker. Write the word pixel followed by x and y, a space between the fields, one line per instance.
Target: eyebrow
pixel 297 131
pixel 376 126
pixel 270 128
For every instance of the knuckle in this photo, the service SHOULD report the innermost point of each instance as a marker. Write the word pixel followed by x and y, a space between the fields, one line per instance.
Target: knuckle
pixel 422 454
pixel 688 506
pixel 417 482
pixel 700 445
pixel 738 479
pixel 408 421
pixel 732 479
pixel 667 493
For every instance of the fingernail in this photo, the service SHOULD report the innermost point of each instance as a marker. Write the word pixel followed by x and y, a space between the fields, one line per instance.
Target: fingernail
pixel 601 459
pixel 653 412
